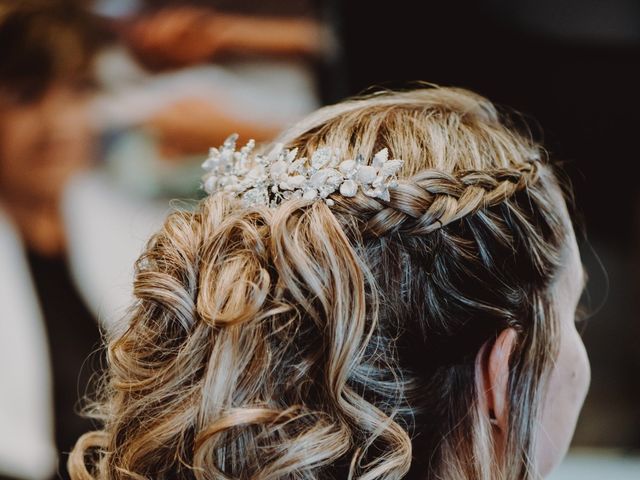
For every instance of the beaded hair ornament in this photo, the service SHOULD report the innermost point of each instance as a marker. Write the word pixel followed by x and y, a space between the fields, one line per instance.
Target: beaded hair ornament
pixel 439 198
pixel 279 175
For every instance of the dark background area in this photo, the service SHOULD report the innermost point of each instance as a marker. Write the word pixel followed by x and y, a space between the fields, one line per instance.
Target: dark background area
pixel 571 67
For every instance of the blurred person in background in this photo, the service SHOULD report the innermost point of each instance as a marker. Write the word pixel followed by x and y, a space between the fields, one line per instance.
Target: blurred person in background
pixel 46 331
pixel 180 76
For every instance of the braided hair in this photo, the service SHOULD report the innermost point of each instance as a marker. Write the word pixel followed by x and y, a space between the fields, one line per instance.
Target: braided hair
pixel 316 342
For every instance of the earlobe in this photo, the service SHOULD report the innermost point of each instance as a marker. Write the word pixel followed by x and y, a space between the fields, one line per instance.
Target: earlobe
pixel 495 359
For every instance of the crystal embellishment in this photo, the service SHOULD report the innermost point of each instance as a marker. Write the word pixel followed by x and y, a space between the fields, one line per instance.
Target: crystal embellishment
pixel 279 175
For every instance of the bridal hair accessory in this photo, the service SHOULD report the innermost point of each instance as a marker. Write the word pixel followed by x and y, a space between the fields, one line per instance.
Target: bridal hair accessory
pixel 279 175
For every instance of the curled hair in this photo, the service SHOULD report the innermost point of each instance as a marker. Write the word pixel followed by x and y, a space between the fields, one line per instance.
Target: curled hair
pixel 316 342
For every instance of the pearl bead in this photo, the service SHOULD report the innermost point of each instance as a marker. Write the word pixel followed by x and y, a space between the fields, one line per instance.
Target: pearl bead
pixel 310 194
pixel 366 174
pixel 349 188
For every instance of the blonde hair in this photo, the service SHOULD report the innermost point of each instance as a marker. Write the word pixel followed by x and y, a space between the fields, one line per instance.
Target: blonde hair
pixel 316 342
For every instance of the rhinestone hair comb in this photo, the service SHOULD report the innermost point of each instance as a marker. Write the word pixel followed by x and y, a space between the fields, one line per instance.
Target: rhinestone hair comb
pixel 279 175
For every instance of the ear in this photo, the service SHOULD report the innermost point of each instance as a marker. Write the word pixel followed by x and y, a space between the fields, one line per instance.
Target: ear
pixel 494 382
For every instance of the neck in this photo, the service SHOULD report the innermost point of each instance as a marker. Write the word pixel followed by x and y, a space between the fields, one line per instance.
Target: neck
pixel 40 224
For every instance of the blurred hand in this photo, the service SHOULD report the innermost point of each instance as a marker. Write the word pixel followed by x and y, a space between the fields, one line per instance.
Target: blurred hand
pixel 175 36
pixel 191 126
pixel 185 35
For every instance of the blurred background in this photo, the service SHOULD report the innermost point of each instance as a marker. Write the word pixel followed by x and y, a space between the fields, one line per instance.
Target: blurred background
pixel 108 108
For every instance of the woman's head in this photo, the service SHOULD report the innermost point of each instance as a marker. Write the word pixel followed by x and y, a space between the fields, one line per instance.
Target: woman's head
pixel 417 337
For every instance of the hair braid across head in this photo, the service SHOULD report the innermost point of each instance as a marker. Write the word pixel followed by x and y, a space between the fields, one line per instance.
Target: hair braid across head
pixel 432 199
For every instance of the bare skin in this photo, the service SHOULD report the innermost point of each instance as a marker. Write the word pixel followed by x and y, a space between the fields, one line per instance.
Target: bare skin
pixel 42 144
pixel 569 379
pixel 192 126
pixel 183 35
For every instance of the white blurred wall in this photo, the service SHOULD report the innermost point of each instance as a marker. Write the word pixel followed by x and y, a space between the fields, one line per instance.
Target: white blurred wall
pixel 598 465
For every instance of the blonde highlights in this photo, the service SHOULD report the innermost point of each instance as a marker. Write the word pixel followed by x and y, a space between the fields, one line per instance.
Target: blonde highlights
pixel 316 342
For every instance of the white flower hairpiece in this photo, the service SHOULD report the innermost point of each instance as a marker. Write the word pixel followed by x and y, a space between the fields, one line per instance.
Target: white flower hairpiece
pixel 279 175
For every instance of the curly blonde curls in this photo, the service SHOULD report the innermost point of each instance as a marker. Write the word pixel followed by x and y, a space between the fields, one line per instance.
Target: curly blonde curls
pixel 317 342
